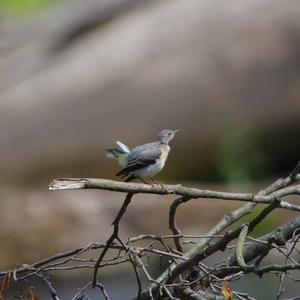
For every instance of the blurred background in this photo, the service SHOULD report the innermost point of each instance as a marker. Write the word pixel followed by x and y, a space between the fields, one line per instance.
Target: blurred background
pixel 77 75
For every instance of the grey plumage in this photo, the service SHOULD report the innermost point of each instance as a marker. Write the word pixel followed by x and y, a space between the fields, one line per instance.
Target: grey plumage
pixel 144 160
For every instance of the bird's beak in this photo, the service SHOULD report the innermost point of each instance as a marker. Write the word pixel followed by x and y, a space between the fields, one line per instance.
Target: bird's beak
pixel 176 130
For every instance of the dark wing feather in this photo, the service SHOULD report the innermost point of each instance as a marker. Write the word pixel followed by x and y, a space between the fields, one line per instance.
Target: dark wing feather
pixel 136 165
pixel 131 177
pixel 140 158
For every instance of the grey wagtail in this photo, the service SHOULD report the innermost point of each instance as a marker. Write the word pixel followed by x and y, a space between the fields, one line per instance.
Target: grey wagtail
pixel 143 161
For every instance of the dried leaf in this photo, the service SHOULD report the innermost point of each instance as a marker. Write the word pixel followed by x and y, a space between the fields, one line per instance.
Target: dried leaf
pixel 227 291
pixel 137 249
pixel 33 296
pixel 5 283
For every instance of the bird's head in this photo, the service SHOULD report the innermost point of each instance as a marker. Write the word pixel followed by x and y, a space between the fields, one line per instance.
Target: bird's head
pixel 166 136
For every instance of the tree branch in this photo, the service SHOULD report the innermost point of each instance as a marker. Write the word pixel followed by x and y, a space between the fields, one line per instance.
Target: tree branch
pixel 224 223
pixel 172 223
pixel 178 189
pixel 115 235
pixel 179 273
pixel 186 275
pixel 240 247
pixel 254 249
pixel 189 294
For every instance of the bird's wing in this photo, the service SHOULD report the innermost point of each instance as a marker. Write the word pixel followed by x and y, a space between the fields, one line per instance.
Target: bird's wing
pixel 122 147
pixel 140 157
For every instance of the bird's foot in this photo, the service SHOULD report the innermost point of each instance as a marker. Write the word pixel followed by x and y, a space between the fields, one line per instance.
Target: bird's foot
pixel 154 182
pixel 144 181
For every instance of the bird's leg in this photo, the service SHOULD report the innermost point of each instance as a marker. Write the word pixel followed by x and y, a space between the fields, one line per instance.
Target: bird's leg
pixel 153 180
pixel 143 180
pixel 156 182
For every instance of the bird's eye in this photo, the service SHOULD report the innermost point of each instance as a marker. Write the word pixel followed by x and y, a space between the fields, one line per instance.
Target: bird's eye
pixel 169 133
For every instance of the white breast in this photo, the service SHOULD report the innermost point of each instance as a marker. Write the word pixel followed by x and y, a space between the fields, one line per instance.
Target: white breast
pixel 164 155
pixel 152 170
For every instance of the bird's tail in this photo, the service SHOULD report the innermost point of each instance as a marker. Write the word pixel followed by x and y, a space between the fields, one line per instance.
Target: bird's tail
pixel 119 153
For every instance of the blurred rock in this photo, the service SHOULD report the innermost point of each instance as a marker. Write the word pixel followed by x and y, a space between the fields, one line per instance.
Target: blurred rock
pixel 89 72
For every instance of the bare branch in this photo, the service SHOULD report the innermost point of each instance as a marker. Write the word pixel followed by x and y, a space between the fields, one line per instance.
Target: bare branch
pixel 135 188
pixel 190 294
pixel 240 247
pixel 295 172
pixel 186 276
pixel 228 220
pixel 115 235
pixel 50 287
pixel 254 249
pixel 172 223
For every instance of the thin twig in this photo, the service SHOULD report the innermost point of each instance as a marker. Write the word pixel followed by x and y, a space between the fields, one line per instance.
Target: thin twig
pixel 49 285
pixel 240 247
pixel 114 235
pixel 172 222
pixel 102 289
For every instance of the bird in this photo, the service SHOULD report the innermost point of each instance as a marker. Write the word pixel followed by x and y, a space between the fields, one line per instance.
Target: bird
pixel 143 161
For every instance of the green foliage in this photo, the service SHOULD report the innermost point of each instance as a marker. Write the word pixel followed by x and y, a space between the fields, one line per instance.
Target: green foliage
pixel 239 156
pixel 21 8
pixel 266 225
